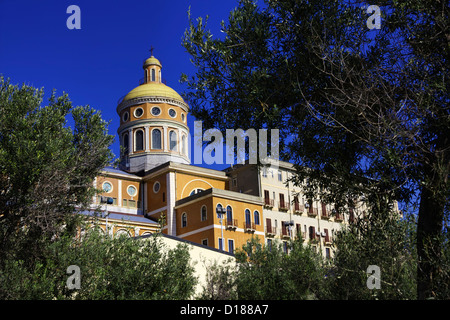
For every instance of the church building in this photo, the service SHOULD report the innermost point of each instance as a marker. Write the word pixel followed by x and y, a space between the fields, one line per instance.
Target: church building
pixel 156 189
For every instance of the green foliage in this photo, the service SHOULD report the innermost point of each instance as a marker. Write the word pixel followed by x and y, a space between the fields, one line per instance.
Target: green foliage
pixel 46 166
pixel 110 269
pixel 267 273
pixel 360 111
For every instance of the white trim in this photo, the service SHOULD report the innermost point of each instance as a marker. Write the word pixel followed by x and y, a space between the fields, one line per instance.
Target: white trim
pixel 110 183
pixel 154 184
pixel 157 211
pixel 119 201
pixel 134 112
pixel 151 111
pixel 182 191
pixel 168 112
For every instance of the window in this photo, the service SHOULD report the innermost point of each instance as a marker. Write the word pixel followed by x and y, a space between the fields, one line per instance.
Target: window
pixel 156 187
pixel 269 244
pixel 220 244
pixel 264 173
pixel 203 213
pixel 139 136
pixel 248 218
pixel 183 220
pixel 183 144
pixel 229 213
pixel 107 187
pixel 285 247
pixel 256 217
pixel 138 112
pixel 198 190
pixel 183 117
pixel 156 111
pixel 230 245
pixel 125 116
pixel 280 177
pixel 125 143
pixel 156 139
pixel 172 113
pixel 327 253
pixel 131 190
pixel 173 141
pixel 234 182
pixel 153 75
pixel 205 242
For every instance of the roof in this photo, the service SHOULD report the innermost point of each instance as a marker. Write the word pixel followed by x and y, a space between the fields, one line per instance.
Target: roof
pixel 153 89
pixel 122 216
pixel 152 60
pixel 118 171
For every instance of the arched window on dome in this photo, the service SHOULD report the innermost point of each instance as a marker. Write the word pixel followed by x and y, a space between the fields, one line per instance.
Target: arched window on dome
pixel 156 139
pixel 139 140
pixel 183 144
pixel 125 142
pixel 173 141
pixel 153 75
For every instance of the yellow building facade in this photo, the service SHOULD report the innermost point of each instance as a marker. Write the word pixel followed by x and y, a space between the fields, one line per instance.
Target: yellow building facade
pixel 156 189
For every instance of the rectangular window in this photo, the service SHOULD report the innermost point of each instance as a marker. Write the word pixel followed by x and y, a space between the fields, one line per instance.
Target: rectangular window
pixel 230 245
pixel 269 244
pixel 125 202
pixel 205 242
pixel 220 244
pixel 280 177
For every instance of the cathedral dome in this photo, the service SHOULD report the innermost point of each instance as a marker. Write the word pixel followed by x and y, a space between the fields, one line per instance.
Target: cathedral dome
pixel 153 89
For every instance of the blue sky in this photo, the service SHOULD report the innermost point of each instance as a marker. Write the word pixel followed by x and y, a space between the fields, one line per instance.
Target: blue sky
pixel 102 61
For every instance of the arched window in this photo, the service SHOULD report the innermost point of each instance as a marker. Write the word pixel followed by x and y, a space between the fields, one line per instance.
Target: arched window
pixel 183 144
pixel 229 213
pixel 173 141
pixel 125 142
pixel 156 139
pixel 203 213
pixel 256 217
pixel 184 220
pixel 139 144
pixel 248 218
pixel 153 75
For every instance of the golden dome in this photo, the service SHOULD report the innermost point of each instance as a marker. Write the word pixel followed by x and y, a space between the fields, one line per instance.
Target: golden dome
pixel 152 61
pixel 153 89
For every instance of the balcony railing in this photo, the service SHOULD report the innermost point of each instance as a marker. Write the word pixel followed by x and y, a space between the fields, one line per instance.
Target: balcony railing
pixel 249 226
pixel 282 206
pixel 285 232
pixel 231 223
pixel 298 208
pixel 271 231
pixel 313 211
pixel 268 203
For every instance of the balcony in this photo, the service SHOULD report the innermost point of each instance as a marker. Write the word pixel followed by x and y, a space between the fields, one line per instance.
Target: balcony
pixel 285 233
pixel 298 208
pixel 231 224
pixel 271 231
pixel 313 212
pixel 282 206
pixel 249 226
pixel 268 203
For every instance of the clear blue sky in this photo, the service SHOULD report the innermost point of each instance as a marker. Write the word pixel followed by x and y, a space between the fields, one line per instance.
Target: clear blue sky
pixel 103 61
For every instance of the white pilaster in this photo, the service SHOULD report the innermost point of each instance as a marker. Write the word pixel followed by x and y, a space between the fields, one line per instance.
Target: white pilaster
pixel 170 197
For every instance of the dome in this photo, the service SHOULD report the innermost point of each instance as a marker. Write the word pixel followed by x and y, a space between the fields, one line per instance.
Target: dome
pixel 153 89
pixel 152 61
